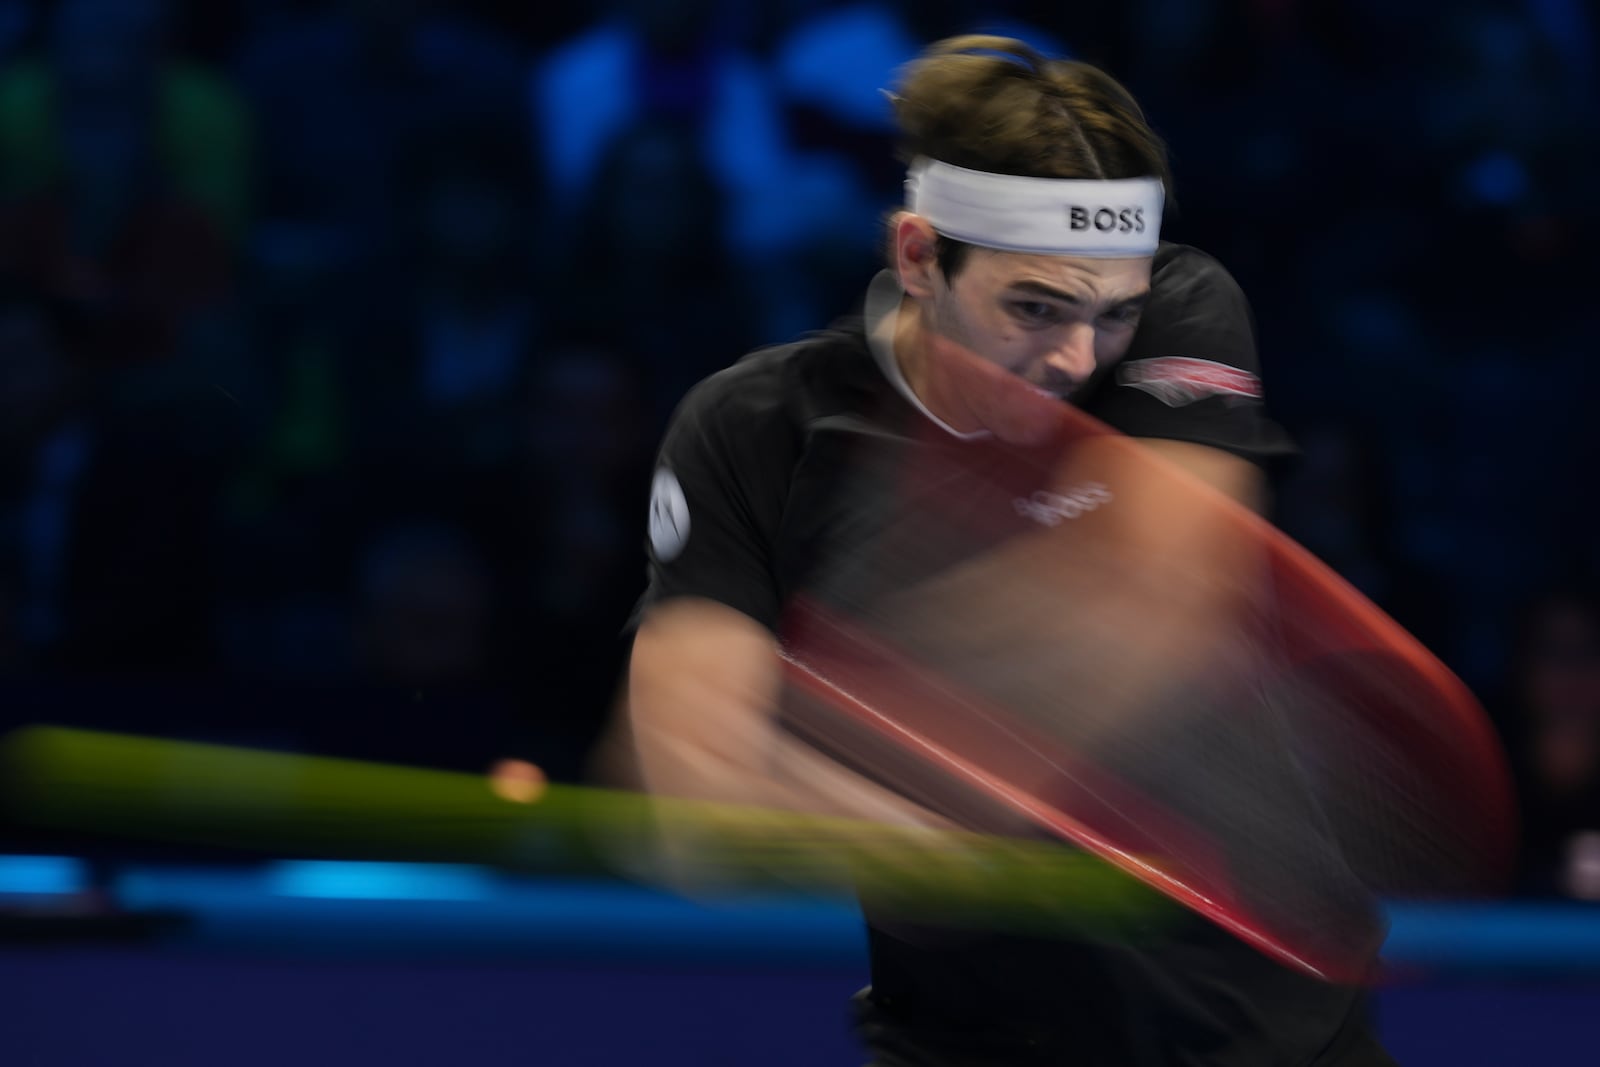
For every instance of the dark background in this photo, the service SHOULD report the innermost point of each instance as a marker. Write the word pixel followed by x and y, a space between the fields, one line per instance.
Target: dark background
pixel 336 337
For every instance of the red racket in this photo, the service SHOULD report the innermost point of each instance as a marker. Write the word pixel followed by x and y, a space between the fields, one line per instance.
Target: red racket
pixel 1077 638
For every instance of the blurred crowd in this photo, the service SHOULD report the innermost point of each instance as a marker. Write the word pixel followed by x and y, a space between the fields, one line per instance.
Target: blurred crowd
pixel 336 336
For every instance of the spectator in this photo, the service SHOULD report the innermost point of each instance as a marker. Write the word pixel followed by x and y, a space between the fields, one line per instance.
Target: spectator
pixel 342 90
pixel 644 60
pixel 16 22
pixel 1509 158
pixel 441 357
pixel 122 176
pixel 831 65
pixel 382 399
pixel 422 610
pixel 41 443
pixel 650 271
pixel 422 636
pixel 108 517
pixel 651 65
pixel 1553 722
pixel 567 534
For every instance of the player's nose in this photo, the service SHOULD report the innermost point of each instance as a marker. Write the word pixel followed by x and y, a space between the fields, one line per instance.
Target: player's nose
pixel 1071 357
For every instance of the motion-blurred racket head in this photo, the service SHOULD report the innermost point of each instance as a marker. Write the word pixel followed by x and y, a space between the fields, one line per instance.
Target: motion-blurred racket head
pixel 1073 637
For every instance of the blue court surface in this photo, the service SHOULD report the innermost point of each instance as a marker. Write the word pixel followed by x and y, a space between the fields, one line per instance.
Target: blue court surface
pixel 401 964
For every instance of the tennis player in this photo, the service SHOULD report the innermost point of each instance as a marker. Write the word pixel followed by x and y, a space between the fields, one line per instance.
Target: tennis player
pixel 1027 272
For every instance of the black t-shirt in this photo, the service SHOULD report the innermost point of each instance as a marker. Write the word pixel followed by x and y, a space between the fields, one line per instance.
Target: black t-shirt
pixel 747 486
pixel 757 495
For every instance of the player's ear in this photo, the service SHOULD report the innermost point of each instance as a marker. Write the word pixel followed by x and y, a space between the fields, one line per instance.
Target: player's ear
pixel 915 254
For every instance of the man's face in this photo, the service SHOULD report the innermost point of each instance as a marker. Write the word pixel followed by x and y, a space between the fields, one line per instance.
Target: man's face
pixel 1011 334
pixel 1049 320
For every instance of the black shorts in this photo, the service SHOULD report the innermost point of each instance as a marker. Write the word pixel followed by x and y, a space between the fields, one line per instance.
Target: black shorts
pixel 1195 998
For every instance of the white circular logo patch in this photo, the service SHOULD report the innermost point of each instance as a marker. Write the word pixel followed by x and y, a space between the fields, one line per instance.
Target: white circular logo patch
pixel 669 516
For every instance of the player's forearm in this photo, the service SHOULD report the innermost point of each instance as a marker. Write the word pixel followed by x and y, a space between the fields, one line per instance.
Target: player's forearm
pixel 788 776
pixel 704 683
pixel 824 787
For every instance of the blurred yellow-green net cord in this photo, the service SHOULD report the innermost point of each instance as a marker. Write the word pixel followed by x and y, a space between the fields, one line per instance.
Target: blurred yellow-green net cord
pixel 283 804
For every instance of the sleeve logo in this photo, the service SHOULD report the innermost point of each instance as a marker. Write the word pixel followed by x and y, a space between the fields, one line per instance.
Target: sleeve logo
pixel 1180 380
pixel 669 516
pixel 1052 509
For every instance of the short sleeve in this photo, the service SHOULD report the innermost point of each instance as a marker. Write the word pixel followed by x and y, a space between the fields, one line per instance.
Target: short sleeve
pixel 716 501
pixel 1192 372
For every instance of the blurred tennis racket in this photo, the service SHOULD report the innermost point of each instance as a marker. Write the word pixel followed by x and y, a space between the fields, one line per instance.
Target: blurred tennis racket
pixel 1065 634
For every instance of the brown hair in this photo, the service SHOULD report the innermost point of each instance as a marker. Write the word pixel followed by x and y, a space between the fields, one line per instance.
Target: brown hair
pixel 995 104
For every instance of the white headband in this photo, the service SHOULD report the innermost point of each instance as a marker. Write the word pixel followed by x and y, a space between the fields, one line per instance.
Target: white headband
pixel 1050 216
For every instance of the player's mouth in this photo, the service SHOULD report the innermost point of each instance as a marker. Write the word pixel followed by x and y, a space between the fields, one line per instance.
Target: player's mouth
pixel 1052 391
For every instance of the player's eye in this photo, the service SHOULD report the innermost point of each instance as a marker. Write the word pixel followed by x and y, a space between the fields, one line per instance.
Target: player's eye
pixel 1034 310
pixel 1126 315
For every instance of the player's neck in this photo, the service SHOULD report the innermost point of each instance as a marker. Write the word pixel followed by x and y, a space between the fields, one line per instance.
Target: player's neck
pixel 913 351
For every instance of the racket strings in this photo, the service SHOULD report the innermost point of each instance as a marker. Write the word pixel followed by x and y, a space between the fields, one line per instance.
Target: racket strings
pixel 1269 761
